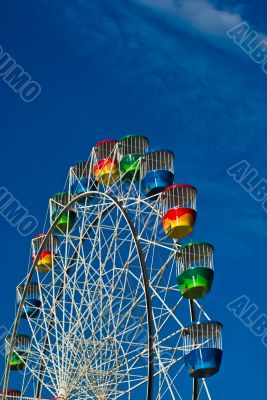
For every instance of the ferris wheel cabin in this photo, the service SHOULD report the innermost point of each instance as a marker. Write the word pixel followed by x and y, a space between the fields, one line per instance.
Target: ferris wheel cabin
pixel 203 348
pixel 179 210
pixel 131 148
pixel 32 303
pixel 157 171
pixel 106 169
pixel 45 261
pixel 67 221
pixel 20 352
pixel 195 269
pixel 81 179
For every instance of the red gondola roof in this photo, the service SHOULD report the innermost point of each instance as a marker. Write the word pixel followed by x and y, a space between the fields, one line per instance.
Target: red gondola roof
pixel 39 235
pixel 106 141
pixel 11 391
pixel 179 185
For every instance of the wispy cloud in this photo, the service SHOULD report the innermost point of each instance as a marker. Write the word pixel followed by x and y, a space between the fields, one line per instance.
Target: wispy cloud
pixel 201 15
pixel 173 76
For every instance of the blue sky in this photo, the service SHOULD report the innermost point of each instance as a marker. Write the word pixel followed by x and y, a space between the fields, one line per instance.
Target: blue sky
pixel 161 68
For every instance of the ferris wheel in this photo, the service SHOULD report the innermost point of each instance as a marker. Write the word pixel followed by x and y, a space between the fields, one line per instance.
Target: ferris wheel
pixel 111 305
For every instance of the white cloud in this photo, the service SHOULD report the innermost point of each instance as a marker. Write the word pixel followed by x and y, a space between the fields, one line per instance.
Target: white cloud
pixel 201 15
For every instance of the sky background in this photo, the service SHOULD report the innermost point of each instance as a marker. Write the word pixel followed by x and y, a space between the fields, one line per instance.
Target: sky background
pixel 160 68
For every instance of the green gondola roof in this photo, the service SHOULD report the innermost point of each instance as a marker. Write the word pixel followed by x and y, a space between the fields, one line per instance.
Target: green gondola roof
pixel 19 335
pixel 59 194
pixel 184 246
pixel 133 136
